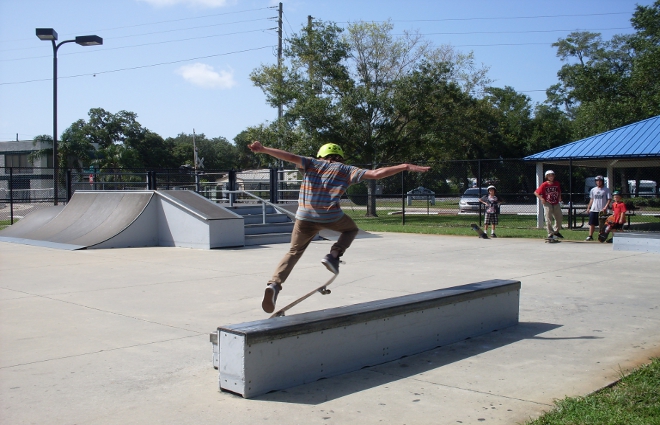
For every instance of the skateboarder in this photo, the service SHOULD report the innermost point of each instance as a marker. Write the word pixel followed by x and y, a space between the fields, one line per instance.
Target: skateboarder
pixel 325 180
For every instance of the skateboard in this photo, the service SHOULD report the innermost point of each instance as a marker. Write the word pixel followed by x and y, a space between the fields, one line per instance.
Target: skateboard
pixel 480 232
pixel 322 289
pixel 551 240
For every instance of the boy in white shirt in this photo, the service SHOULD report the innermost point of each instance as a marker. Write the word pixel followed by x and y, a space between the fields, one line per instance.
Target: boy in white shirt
pixel 599 202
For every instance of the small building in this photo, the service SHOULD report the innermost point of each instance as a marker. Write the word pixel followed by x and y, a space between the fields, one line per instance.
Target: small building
pixel 35 176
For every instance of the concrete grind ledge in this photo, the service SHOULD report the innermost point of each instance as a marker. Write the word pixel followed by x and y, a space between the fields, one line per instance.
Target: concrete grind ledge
pixel 254 358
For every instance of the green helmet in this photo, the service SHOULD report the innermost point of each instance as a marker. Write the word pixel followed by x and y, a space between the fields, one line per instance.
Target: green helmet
pixel 330 149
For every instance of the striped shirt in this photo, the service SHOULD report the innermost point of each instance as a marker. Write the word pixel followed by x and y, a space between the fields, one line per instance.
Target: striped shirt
pixel 322 187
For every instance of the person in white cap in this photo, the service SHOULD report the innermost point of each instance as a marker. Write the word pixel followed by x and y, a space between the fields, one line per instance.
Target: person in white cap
pixel 599 201
pixel 492 201
pixel 549 192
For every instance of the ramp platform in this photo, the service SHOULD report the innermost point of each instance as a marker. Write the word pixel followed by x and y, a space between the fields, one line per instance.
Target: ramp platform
pixel 254 358
pixel 121 219
pixel 89 219
pixel 644 242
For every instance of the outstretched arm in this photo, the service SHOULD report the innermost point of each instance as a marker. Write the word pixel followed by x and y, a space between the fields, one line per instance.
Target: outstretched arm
pixel 257 147
pixel 383 172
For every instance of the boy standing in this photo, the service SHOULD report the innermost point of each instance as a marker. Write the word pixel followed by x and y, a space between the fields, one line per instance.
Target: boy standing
pixel 325 180
pixel 599 201
pixel 549 193
pixel 492 202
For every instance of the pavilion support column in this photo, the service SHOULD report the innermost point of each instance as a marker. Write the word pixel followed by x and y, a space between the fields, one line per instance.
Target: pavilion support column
pixel 611 184
pixel 540 215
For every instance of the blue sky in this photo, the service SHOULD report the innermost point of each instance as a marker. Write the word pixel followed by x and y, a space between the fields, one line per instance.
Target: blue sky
pixel 184 64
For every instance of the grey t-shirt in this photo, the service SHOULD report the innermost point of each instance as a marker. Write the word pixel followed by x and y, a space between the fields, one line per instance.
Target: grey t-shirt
pixel 599 195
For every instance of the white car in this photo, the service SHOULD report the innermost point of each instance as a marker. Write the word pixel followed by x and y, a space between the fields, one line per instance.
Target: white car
pixel 469 201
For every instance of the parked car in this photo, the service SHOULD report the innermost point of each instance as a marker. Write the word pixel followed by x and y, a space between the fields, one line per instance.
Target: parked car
pixel 469 201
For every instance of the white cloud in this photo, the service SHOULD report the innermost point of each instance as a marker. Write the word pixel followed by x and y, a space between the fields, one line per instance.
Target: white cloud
pixel 194 3
pixel 205 76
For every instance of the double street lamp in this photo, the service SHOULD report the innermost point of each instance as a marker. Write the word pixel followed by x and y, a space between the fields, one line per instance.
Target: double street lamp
pixel 83 40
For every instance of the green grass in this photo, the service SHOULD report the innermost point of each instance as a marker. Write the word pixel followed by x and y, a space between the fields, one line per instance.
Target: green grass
pixel 449 222
pixel 634 400
pixel 511 226
pixel 3 224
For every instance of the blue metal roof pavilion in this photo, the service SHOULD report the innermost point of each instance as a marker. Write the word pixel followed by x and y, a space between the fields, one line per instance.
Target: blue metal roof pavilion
pixel 633 143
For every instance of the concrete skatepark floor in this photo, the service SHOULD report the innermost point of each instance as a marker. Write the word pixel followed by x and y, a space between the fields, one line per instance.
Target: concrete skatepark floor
pixel 120 336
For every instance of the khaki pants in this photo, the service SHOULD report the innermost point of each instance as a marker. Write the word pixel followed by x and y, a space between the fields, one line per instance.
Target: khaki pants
pixel 552 210
pixel 303 233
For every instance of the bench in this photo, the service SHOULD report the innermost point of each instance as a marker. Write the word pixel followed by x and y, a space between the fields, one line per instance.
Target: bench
pixel 254 358
pixel 572 224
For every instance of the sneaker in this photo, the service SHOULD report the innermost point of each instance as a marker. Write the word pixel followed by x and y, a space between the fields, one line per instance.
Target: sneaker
pixel 493 235
pixel 589 238
pixel 270 297
pixel 559 235
pixel 551 237
pixel 331 263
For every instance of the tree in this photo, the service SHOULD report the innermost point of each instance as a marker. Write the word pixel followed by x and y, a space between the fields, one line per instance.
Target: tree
pixel 42 139
pixel 646 66
pixel 349 89
pixel 293 139
pixel 151 149
pixel 614 82
pixel 510 123
pixel 74 150
pixel 217 153
pixel 112 141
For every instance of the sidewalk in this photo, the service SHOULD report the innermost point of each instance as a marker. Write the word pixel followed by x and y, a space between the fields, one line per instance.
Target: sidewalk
pixel 120 336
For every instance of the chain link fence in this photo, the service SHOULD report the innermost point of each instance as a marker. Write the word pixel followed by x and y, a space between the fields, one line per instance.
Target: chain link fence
pixel 448 194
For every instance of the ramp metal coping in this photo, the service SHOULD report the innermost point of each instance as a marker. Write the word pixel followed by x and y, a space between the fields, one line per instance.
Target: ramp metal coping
pixel 299 324
pixel 638 235
pixel 181 203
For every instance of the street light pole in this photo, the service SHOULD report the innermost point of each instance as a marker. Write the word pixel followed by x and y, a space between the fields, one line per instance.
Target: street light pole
pixel 84 40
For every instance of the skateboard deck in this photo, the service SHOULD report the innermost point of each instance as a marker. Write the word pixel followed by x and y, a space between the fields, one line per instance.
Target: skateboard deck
pixel 322 289
pixel 480 232
pixel 551 240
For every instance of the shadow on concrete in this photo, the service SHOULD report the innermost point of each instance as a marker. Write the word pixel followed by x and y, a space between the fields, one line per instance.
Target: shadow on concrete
pixel 373 376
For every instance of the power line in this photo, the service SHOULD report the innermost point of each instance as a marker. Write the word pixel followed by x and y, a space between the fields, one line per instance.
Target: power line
pixel 288 23
pixel 140 45
pixel 191 28
pixel 523 32
pixel 183 19
pixel 155 23
pixel 137 67
pixel 498 18
pixel 161 32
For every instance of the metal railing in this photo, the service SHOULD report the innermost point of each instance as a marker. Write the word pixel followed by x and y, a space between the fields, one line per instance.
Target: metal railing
pixel 263 202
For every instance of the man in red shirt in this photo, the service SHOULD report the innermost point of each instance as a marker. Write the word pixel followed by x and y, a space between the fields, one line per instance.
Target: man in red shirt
pixel 549 193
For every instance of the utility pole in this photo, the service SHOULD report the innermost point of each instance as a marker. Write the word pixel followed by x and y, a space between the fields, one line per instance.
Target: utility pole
pixel 309 44
pixel 279 54
pixel 279 68
pixel 194 152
